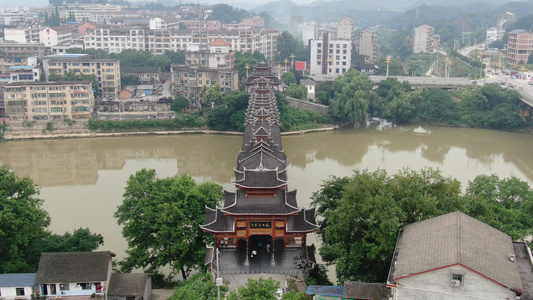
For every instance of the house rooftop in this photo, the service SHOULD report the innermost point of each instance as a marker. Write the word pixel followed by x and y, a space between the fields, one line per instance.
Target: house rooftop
pixel 455 239
pixel 127 284
pixel 65 267
pixel 17 279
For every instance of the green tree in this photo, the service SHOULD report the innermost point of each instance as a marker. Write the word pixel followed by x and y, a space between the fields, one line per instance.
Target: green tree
pixel 505 204
pixel 228 14
pixel 294 295
pixel 246 59
pixel 161 221
pixel 229 115
pixel 199 286
pixel 261 289
pixel 214 94
pixel 364 213
pixel 439 107
pixel 289 45
pixel 395 67
pixel 288 78
pixel 362 219
pixel 322 97
pixel 350 104
pixel 129 79
pixel 400 109
pixel 296 91
pixel 179 103
pixel 22 221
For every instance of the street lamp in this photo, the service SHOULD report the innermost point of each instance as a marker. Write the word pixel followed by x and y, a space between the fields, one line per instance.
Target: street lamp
pixel 448 65
pixel 388 62
pixel 286 61
pixel 292 61
pixel 247 66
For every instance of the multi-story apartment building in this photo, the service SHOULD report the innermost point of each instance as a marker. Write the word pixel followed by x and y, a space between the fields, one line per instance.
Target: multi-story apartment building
pixel 519 46
pixel 309 31
pixel 103 17
pixel 213 55
pixel 191 81
pixel 24 73
pixel 164 23
pixel 202 24
pixel 13 54
pixel 161 40
pixel 329 57
pixel 23 34
pixel 59 100
pixel 422 39
pixel 12 17
pixel 107 71
pixel 345 28
pixel 368 45
pixel 495 34
pixel 18 50
pixel 209 65
pixel 57 35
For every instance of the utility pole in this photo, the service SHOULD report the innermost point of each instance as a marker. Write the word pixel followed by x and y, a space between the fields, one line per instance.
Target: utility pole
pixel 388 62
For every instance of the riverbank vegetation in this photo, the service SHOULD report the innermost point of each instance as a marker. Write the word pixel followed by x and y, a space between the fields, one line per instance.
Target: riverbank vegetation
pixel 351 98
pixel 361 215
pixel 24 227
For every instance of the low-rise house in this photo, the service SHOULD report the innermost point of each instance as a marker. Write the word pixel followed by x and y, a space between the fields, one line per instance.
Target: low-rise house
pixel 455 256
pixel 74 274
pixel 130 286
pixel 127 93
pixel 145 90
pixel 17 286
pixel 311 88
pixel 145 74
pixel 24 73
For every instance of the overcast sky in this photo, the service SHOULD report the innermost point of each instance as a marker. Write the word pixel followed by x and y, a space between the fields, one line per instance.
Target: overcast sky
pixel 41 3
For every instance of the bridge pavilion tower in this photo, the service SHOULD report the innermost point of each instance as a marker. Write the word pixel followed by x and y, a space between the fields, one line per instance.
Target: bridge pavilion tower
pixel 262 210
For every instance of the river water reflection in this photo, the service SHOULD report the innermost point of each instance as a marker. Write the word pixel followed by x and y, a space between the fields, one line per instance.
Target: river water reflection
pixel 82 180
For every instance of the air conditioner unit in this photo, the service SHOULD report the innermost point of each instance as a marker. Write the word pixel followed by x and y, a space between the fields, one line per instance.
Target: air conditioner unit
pixel 456 283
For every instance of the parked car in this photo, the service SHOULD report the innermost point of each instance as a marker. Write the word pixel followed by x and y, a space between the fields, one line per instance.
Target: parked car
pixel 530 82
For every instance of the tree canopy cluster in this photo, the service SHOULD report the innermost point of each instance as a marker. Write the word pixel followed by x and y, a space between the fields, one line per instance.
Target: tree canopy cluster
pixel 161 220
pixel 23 227
pixel 351 98
pixel 487 106
pixel 228 14
pixel 362 214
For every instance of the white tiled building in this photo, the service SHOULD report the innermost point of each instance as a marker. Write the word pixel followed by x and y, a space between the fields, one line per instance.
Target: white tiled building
pixel 423 39
pixel 56 35
pixel 495 34
pixel 345 28
pixel 329 57
pixel 368 45
pixel 161 40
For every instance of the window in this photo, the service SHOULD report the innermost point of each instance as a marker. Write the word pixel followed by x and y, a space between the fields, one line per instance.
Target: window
pixel 85 285
pixel 64 287
pixel 457 277
pixel 20 291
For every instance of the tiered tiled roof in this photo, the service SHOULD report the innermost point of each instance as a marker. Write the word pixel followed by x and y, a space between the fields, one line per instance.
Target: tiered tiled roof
pixel 261 166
